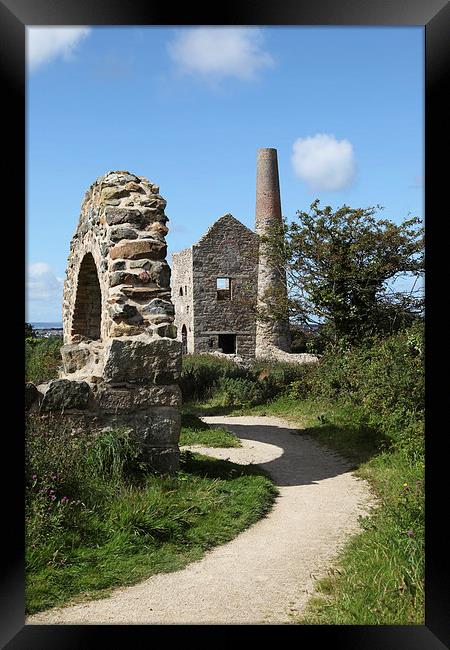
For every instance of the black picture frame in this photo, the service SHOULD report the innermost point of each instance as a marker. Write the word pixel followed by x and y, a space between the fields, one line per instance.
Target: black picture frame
pixel 434 16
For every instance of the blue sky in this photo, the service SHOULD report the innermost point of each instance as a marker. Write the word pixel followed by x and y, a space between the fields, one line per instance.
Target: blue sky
pixel 189 107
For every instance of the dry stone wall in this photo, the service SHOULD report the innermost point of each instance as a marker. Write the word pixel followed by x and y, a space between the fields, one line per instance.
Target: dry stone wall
pixel 121 358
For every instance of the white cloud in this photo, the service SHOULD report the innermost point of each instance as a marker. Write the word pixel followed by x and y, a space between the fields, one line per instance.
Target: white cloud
pixel 42 283
pixel 324 162
pixel 47 43
pixel 216 52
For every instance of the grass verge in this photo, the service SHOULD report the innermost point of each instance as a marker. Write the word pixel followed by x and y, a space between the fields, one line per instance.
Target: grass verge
pixel 96 520
pixel 196 432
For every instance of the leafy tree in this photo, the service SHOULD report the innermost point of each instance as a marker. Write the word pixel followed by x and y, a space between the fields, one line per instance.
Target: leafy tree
pixel 29 331
pixel 340 271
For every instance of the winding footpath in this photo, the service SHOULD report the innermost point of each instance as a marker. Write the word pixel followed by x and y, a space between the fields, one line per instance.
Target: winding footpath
pixel 267 573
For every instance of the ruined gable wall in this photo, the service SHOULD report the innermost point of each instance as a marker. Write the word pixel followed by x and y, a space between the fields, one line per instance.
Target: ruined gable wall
pixel 228 249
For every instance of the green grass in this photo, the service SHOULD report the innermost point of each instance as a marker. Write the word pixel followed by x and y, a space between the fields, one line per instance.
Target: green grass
pixel 378 578
pixel 42 358
pixel 196 432
pixel 133 530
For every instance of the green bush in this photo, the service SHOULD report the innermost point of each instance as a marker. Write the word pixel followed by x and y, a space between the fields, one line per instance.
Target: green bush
pixel 382 377
pixel 279 376
pixel 68 469
pixel 228 384
pixel 42 358
pixel 201 373
pixel 240 392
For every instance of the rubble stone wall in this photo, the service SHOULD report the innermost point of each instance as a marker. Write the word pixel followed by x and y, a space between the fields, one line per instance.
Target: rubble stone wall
pixel 121 359
pixel 227 250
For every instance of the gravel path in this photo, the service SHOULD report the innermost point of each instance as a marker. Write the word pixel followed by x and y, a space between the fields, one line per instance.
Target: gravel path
pixel 267 573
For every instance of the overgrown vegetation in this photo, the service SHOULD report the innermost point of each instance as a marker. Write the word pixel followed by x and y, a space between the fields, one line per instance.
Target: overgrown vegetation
pixel 222 383
pixel 96 519
pixel 42 357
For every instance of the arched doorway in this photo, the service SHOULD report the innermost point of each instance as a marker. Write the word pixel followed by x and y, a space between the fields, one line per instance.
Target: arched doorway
pixel 184 340
pixel 87 316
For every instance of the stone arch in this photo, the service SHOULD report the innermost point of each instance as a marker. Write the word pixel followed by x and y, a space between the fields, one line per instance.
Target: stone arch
pixel 121 357
pixel 121 234
pixel 87 313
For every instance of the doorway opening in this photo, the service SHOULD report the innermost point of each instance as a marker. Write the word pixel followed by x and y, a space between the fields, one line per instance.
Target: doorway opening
pixel 227 342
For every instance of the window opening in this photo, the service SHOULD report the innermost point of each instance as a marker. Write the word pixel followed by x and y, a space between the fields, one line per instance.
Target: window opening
pixel 223 286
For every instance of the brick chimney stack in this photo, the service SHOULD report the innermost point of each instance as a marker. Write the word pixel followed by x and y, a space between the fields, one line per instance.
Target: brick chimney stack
pixel 269 334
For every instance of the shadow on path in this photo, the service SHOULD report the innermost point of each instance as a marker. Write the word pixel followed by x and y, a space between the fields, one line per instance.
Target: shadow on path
pixel 290 457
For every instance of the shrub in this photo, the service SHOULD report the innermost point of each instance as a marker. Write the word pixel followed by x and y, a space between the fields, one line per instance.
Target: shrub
pixel 201 372
pixel 383 377
pixel 29 331
pixel 209 377
pixel 240 392
pixel 279 375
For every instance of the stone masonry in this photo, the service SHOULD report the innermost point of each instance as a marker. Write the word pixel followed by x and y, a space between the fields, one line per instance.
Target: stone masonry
pixel 271 333
pixel 121 358
pixel 222 282
pixel 211 316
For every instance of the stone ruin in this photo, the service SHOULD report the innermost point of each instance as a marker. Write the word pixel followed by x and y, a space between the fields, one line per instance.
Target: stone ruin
pixel 122 351
pixel 214 290
pixel 224 283
pixel 121 358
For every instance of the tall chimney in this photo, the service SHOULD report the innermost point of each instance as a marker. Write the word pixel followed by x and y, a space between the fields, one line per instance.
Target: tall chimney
pixel 269 333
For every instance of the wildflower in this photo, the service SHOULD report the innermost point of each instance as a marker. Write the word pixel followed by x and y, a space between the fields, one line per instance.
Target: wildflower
pixel 34 477
pixel 53 497
pixel 410 533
